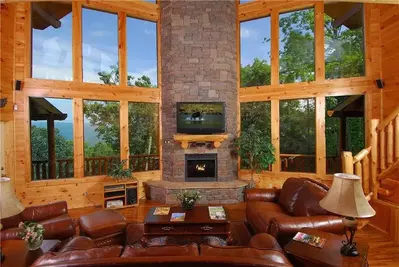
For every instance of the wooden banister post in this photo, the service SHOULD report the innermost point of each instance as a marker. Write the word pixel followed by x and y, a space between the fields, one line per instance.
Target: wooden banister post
pixel 374 156
pixel 347 162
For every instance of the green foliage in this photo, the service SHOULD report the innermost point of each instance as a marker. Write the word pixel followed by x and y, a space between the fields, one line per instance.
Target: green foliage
pixel 118 171
pixel 259 73
pixel 255 149
pixel 112 77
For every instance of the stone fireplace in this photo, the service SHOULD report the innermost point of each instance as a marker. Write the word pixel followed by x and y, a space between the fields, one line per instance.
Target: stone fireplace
pixel 201 167
pixel 198 47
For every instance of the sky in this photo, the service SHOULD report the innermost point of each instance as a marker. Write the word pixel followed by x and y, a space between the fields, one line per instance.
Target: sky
pixel 52 48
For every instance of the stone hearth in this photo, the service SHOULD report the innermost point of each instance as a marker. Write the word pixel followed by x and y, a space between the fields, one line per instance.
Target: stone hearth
pixel 211 192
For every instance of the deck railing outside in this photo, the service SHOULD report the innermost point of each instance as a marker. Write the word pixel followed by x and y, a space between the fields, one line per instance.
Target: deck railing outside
pixel 93 166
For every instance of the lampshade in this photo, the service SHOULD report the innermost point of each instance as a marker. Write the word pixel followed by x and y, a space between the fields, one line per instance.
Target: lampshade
pixel 346 197
pixel 9 204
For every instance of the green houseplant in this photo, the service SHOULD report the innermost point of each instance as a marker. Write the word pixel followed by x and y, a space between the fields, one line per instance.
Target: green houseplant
pixel 32 233
pixel 188 198
pixel 119 172
pixel 256 151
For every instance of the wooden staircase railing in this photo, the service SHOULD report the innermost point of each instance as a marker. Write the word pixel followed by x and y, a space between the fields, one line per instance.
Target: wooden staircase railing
pixel 380 159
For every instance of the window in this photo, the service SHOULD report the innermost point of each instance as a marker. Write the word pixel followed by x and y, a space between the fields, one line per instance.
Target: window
pixel 344 40
pixel 255 52
pixel 100 47
pixel 141 53
pixel 51 133
pixel 297 46
pixel 143 136
pixel 344 128
pixel 51 41
pixel 257 114
pixel 101 136
pixel 297 135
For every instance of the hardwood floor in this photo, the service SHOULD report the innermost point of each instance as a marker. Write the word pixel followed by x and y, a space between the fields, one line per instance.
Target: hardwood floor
pixel 382 252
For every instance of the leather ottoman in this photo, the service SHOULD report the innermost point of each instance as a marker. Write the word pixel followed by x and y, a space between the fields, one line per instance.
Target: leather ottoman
pixel 105 227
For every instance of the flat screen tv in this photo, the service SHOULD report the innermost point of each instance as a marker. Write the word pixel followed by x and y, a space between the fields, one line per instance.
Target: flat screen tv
pixel 200 117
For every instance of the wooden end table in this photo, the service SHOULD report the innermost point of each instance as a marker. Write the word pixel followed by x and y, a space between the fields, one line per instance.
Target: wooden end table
pixel 17 252
pixel 306 255
pixel 196 224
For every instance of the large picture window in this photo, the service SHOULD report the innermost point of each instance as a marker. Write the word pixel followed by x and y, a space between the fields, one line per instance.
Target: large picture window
pixel 143 136
pixel 101 136
pixel 344 129
pixel 297 62
pixel 51 134
pixel 51 40
pixel 141 52
pixel 344 40
pixel 257 114
pixel 297 135
pixel 100 47
pixel 255 52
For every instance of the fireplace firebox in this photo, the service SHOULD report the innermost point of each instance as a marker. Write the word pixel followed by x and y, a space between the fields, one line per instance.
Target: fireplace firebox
pixel 201 167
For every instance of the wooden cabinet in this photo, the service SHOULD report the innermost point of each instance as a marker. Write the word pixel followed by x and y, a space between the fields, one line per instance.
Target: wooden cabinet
pixel 120 194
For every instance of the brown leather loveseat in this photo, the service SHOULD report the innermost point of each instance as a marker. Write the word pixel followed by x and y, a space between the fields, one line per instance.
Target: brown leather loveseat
pixel 284 212
pixel 263 250
pixel 54 218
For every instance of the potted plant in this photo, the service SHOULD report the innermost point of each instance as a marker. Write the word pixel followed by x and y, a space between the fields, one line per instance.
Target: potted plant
pixel 188 198
pixel 255 150
pixel 119 172
pixel 32 233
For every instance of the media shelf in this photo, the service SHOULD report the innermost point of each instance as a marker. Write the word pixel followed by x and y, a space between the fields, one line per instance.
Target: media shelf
pixel 186 139
pixel 122 194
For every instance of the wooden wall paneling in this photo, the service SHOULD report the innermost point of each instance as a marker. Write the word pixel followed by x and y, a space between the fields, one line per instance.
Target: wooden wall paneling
pixel 28 39
pixel 20 40
pixel 77 66
pixel 124 131
pixel 275 129
pixel 122 48
pixel 7 34
pixel 275 53
pixel 137 9
pixel 78 138
pixel 319 41
pixel 320 136
pixel 71 89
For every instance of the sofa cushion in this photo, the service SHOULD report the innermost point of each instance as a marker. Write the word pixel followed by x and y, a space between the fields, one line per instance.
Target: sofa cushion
pixel 102 223
pixel 169 250
pixel 289 193
pixel 244 252
pixel 307 203
pixel 55 257
pixel 259 214
pixel 264 241
pixel 60 227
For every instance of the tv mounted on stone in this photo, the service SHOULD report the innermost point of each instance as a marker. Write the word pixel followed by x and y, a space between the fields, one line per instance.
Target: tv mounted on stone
pixel 200 117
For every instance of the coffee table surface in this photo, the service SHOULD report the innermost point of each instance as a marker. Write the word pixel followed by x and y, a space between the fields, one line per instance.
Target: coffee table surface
pixel 198 215
pixel 17 253
pixel 329 255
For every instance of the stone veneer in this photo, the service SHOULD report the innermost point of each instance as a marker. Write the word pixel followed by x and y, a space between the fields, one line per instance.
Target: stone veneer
pixel 198 47
pixel 211 192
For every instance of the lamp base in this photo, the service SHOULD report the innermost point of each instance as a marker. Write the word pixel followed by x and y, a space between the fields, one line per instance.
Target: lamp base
pixel 349 250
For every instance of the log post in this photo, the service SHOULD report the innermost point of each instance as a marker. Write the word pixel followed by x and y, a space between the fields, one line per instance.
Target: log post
pixel 383 165
pixel 390 144
pixel 347 162
pixel 396 137
pixel 366 175
pixel 374 156
pixel 358 169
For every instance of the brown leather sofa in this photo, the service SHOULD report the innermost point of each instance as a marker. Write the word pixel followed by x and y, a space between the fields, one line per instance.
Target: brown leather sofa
pixel 54 218
pixel 262 250
pixel 284 212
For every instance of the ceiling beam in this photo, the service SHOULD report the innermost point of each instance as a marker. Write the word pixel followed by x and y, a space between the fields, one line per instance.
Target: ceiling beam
pixel 341 20
pixel 46 16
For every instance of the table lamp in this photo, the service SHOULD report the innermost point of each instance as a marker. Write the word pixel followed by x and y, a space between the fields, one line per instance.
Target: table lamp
pixel 346 198
pixel 9 204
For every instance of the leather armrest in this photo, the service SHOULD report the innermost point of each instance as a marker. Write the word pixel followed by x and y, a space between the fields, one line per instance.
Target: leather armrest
pixel 10 234
pixel 285 227
pixel 78 243
pixel 267 195
pixel 264 241
pixel 44 212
